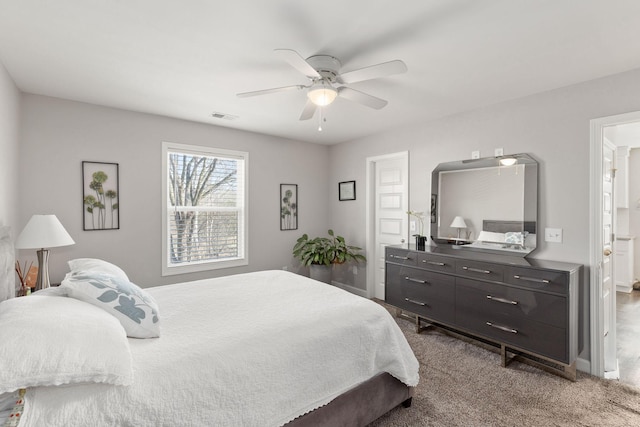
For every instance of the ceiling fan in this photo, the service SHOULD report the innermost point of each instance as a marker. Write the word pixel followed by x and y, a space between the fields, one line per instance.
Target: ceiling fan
pixel 326 82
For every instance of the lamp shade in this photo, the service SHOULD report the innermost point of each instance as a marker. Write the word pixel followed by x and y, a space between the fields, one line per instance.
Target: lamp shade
pixel 43 231
pixel 322 94
pixel 458 222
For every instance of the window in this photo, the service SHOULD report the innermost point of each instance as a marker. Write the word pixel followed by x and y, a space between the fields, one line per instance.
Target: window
pixel 204 217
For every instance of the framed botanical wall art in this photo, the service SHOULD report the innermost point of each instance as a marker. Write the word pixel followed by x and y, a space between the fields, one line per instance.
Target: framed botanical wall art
pixel 434 207
pixel 100 196
pixel 347 190
pixel 288 206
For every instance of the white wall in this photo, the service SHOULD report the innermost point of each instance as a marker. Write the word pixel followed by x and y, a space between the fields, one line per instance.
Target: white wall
pixel 633 213
pixel 552 126
pixel 57 135
pixel 9 137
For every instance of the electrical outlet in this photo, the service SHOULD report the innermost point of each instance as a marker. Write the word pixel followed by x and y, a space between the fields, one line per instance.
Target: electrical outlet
pixel 285 268
pixel 475 154
pixel 499 152
pixel 355 270
pixel 412 225
pixel 553 235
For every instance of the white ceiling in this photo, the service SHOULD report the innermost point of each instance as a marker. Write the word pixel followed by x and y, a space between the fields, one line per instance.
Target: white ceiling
pixel 188 59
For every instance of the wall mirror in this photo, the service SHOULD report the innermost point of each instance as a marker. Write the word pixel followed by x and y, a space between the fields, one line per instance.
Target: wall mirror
pixel 487 204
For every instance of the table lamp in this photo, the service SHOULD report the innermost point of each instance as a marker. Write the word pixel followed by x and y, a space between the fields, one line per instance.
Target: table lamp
pixel 43 231
pixel 458 222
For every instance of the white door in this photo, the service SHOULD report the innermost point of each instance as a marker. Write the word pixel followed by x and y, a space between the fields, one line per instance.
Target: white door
pixel 608 285
pixel 387 219
pixel 601 283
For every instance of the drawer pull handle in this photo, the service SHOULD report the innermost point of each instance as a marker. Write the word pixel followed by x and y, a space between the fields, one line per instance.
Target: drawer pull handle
pixel 532 279
pixel 411 279
pixel 502 300
pixel 502 328
pixel 441 264
pixel 406 258
pixel 415 302
pixel 476 270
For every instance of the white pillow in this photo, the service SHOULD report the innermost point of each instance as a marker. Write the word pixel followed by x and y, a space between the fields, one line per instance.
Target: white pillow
pixel 136 310
pixel 490 236
pixel 49 341
pixel 514 237
pixel 97 266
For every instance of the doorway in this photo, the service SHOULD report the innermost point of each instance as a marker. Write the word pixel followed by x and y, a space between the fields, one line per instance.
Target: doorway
pixel 386 218
pixel 604 304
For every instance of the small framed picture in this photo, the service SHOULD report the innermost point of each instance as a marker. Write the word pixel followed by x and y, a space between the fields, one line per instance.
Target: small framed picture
pixel 346 190
pixel 288 206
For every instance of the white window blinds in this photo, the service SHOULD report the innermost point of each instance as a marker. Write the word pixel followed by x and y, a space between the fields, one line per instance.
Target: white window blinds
pixel 205 208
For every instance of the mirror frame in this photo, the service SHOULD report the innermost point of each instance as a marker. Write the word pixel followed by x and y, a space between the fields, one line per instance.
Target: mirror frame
pixel 529 222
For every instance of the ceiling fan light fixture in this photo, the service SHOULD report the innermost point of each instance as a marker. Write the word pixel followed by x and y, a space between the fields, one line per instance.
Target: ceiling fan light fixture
pixel 322 94
pixel 508 161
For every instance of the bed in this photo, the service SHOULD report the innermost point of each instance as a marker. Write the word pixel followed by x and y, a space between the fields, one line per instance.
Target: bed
pixel 267 348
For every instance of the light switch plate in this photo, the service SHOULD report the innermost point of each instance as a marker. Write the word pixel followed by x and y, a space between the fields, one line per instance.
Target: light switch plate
pixel 475 154
pixel 553 235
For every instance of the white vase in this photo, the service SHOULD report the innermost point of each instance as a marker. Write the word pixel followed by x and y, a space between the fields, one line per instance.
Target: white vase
pixel 320 272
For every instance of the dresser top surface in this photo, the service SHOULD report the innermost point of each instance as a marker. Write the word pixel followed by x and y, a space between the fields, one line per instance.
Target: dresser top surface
pixel 471 254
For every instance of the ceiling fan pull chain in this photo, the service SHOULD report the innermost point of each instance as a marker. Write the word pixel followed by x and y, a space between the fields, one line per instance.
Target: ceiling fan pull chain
pixel 320 120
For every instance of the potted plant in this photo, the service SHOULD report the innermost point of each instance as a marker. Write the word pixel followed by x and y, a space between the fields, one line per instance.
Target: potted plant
pixel 320 253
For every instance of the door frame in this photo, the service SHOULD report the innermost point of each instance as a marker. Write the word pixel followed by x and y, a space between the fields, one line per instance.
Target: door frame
pixel 370 201
pixel 596 307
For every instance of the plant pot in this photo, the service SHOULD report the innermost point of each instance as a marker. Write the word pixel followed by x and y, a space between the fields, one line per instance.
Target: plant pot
pixel 320 272
pixel 421 242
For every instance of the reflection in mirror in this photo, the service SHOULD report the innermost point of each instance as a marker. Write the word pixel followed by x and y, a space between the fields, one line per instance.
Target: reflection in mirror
pixel 486 204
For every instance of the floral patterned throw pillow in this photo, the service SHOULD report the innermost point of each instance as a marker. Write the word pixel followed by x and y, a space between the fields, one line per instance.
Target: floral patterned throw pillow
pixel 136 310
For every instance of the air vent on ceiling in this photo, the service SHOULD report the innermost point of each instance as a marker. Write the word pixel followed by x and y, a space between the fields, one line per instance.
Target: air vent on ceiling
pixel 217 115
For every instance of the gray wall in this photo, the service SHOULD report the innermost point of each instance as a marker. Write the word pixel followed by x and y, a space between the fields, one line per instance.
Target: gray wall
pixel 9 137
pixel 552 126
pixel 57 135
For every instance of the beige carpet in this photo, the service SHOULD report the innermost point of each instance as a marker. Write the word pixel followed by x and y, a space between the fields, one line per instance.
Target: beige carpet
pixel 464 385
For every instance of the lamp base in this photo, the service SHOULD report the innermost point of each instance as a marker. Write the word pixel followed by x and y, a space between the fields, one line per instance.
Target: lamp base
pixel 42 282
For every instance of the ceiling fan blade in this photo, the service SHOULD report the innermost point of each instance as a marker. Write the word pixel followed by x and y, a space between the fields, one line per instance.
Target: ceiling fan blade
pixel 298 62
pixel 267 91
pixel 361 97
pixel 373 72
pixel 308 111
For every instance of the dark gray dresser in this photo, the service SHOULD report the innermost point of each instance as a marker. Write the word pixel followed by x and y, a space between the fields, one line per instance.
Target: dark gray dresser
pixel 525 308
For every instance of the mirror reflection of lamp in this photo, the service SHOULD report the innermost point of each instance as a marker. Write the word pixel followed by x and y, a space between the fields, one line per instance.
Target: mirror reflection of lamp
pixel 458 222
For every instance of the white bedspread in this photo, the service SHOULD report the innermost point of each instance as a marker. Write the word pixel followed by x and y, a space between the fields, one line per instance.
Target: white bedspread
pixel 256 349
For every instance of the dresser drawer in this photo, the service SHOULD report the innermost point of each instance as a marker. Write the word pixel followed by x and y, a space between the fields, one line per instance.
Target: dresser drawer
pixel 532 336
pixel 544 280
pixel 480 270
pixel 436 263
pixel 401 256
pixel 427 294
pixel 516 330
pixel 506 302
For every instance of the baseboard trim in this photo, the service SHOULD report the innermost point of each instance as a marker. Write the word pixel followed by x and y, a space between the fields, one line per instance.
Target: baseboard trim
pixel 583 365
pixel 624 288
pixel 349 288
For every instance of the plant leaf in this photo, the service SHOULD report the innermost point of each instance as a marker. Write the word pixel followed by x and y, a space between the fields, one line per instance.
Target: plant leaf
pixel 108 296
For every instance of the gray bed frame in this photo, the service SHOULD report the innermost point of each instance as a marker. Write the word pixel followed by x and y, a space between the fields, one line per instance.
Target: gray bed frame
pixel 359 406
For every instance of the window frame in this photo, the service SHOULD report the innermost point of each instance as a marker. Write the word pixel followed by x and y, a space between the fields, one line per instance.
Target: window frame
pixel 243 232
